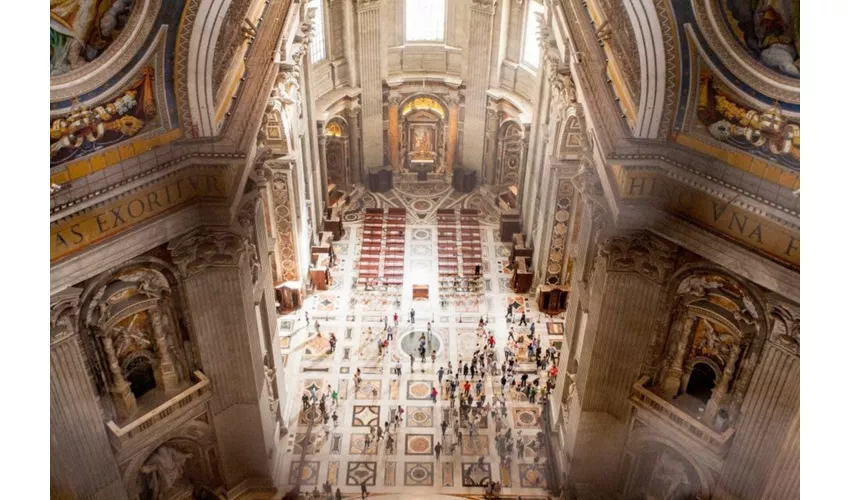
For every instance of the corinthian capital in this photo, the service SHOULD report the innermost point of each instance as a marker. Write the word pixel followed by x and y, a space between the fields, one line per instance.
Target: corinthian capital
pixel 641 253
pixel 64 312
pixel 205 248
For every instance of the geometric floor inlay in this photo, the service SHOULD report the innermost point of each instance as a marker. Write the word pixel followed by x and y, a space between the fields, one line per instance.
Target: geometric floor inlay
pixel 475 446
pixel 475 475
pixel 365 416
pixel 531 476
pixel 361 472
pixel 309 472
pixel 419 474
pixel 357 446
pixel 526 417
pixel 418 389
pixel 418 444
pixel 420 416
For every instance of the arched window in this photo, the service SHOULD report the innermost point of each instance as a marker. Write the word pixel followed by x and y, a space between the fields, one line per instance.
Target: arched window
pixel 424 20
pixel 317 48
pixel 531 48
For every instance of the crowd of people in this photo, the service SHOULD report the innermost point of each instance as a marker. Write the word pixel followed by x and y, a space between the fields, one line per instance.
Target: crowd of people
pixel 522 369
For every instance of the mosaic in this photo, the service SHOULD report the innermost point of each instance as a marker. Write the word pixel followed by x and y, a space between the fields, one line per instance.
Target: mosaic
pixel 418 389
pixel 555 328
pixel 475 446
pixel 505 475
pixel 420 416
pixel 526 418
pixel 418 444
pixel 448 474
pixel 475 475
pixel 357 446
pixel 389 474
pixel 419 474
pixel 307 473
pixel 421 234
pixel 308 443
pixel 368 389
pixel 333 472
pixel 310 416
pixel 531 476
pixel 361 473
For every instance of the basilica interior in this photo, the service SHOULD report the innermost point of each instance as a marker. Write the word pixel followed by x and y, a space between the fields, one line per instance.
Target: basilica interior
pixel 536 249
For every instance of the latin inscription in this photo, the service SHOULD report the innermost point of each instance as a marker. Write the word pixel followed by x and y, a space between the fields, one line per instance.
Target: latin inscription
pixel 72 235
pixel 755 232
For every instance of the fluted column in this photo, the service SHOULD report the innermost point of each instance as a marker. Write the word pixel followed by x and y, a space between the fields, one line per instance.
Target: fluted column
pixel 355 142
pixel 393 131
pixel 627 290
pixel 216 270
pixel 370 53
pixel 491 147
pixel 451 148
pixel 167 373
pixel 323 162
pixel 82 464
pixel 766 423
pixel 477 77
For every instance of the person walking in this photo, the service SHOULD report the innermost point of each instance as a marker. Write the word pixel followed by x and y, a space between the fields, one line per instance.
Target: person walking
pixel 433 357
pixel 437 449
pixel 444 426
pixel 335 418
pixel 395 318
pixel 412 315
pixel 440 373
pixel 522 320
pixel 510 313
pixel 531 330
pixel 338 495
pixel 335 397
pixel 380 432
pixel 332 342
pixel 434 394
pixel 368 442
pixel 374 395
pixel 363 491
pixel 412 359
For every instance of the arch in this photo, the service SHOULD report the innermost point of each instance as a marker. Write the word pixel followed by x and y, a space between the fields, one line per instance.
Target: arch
pixel 410 104
pixel 649 39
pixel 337 151
pixel 644 441
pixel 509 152
pixel 207 21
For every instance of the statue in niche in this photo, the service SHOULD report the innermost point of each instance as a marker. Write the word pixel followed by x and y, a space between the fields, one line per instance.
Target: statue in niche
pixel 163 469
pixel 669 479
pixel 128 338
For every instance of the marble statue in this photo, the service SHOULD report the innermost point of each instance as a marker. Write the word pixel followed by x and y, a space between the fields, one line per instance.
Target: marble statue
pixel 164 468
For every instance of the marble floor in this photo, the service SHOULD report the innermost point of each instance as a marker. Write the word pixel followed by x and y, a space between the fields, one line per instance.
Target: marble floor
pixel 343 457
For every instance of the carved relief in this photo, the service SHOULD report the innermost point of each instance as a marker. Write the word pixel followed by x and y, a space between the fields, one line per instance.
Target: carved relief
pixel 587 182
pixel 560 233
pixel 64 312
pixel 640 253
pixel 205 248
pixel 617 31
pixel 784 327
pixel 283 220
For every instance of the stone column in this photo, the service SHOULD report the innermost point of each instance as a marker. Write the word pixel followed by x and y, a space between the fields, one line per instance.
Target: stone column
pixel 167 374
pixel 317 162
pixel 370 53
pixel 82 464
pixel 217 278
pixel 394 100
pixel 124 399
pixel 451 147
pixel 672 381
pixel 477 77
pixel 491 147
pixel 629 277
pixel 355 142
pixel 722 387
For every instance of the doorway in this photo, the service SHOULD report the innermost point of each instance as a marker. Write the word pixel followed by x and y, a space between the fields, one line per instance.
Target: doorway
pixel 701 382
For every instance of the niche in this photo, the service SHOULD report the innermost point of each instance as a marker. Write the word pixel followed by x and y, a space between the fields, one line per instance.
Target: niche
pixel 701 382
pixel 138 371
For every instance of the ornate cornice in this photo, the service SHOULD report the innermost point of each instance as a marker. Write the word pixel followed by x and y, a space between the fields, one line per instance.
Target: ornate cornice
pixel 207 248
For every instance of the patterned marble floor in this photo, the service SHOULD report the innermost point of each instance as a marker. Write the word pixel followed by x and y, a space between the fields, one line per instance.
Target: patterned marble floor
pixel 343 457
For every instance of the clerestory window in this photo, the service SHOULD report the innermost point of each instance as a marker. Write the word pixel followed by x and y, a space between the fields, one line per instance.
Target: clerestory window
pixel 424 20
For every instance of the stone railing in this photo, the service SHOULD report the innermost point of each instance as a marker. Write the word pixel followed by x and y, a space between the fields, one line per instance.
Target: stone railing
pixel 199 391
pixel 643 398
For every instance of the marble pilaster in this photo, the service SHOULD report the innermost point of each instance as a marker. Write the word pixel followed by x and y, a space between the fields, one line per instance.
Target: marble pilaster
pixel 219 291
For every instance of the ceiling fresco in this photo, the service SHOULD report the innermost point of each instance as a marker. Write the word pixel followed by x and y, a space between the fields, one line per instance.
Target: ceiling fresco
pixel 740 87
pixel 108 87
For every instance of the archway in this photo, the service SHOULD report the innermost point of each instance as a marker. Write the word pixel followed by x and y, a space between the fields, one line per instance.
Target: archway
pixel 423 134
pixel 138 371
pixel 701 382
pixel 337 154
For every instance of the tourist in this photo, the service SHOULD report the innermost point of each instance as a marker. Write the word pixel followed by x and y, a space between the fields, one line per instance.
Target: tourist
pixel 335 397
pixel 363 491
pixel 440 375
pixel 379 431
pixel 434 394
pixel 412 315
pixel 522 320
pixel 374 395
pixel 444 426
pixel 510 313
pixel 335 419
pixel 395 318
pixel 332 342
pixel 437 449
pixel 412 359
pixel 433 357
pixel 338 495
